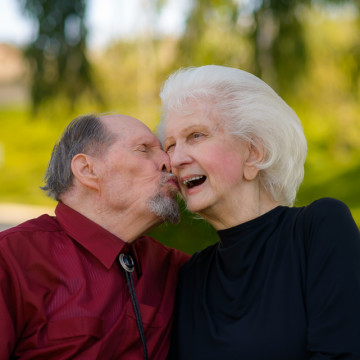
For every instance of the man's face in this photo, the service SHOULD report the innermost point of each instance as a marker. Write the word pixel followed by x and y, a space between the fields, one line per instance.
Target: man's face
pixel 134 172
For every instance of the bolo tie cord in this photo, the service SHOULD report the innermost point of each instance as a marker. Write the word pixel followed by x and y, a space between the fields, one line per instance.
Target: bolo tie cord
pixel 127 264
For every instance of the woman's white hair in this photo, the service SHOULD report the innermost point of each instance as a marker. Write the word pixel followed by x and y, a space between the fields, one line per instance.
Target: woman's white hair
pixel 252 111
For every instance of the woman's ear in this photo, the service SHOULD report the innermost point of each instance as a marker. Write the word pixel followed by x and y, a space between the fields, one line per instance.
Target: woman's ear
pixel 82 166
pixel 256 156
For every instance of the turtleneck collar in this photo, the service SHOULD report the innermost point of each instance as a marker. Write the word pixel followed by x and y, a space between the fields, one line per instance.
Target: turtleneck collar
pixel 249 229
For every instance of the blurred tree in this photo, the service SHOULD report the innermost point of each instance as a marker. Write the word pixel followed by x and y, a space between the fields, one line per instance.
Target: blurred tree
pixel 274 30
pixel 58 53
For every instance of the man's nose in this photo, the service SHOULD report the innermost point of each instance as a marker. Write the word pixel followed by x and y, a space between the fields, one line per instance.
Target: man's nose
pixel 165 162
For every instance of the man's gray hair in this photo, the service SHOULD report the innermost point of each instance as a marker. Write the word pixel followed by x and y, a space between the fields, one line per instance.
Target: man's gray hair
pixel 85 134
pixel 250 110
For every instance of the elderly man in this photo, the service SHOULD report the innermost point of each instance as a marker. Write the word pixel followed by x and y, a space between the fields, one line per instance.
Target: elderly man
pixel 87 284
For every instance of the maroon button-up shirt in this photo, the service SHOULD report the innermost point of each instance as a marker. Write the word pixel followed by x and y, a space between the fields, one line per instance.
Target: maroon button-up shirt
pixel 64 295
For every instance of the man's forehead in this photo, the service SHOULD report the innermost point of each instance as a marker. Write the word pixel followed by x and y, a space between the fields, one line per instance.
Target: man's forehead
pixel 128 129
pixel 123 123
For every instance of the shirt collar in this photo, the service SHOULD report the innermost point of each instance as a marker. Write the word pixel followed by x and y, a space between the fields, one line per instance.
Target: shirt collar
pixel 101 243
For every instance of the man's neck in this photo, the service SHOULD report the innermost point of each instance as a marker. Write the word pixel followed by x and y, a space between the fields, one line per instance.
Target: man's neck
pixel 126 224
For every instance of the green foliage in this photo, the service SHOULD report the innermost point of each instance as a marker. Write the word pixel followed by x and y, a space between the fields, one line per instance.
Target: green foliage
pixel 59 65
pixel 265 37
pixel 192 234
pixel 26 151
pixel 310 54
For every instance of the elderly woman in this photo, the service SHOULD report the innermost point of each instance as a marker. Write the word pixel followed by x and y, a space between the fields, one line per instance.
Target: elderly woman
pixel 283 282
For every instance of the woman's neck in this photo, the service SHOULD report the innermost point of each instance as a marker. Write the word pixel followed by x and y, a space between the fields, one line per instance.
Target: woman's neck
pixel 238 209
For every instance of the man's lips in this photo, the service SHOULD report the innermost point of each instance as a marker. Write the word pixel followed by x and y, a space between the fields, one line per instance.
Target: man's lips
pixel 173 181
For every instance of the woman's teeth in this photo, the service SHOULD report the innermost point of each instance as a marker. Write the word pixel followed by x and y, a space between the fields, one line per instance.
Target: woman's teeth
pixel 194 181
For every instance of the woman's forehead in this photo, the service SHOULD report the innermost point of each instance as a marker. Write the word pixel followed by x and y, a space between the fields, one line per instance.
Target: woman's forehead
pixel 195 116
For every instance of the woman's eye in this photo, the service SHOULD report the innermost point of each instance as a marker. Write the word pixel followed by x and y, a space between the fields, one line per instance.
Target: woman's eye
pixel 196 135
pixel 169 148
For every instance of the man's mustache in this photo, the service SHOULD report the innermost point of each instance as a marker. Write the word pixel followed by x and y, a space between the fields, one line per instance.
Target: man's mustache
pixel 166 177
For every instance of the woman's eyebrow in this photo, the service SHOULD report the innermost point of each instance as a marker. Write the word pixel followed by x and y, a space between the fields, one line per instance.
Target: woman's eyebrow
pixel 195 127
pixel 188 129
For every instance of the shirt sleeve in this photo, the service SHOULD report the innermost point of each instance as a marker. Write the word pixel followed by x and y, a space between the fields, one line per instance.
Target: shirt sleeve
pixel 8 303
pixel 333 281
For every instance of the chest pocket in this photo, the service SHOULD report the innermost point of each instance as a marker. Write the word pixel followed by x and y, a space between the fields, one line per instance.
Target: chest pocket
pixel 150 315
pixel 79 326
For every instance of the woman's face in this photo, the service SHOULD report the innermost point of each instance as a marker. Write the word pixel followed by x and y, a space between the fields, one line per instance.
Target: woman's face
pixel 208 162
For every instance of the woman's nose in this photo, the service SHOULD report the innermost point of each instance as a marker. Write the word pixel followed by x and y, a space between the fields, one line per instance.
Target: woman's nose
pixel 179 157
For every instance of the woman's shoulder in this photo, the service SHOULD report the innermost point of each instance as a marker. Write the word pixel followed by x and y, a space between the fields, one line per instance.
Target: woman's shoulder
pixel 328 204
pixel 199 259
pixel 327 221
pixel 327 209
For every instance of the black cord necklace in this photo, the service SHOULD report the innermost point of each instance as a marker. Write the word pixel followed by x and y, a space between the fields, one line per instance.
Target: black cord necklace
pixel 127 263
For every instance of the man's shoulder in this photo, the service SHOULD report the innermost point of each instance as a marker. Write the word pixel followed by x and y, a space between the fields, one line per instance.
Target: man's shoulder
pixel 149 244
pixel 44 223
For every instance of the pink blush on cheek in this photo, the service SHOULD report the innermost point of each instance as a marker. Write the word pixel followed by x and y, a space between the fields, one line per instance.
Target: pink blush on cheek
pixel 226 166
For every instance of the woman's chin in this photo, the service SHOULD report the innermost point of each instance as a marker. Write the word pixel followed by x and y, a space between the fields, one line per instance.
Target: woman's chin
pixel 195 207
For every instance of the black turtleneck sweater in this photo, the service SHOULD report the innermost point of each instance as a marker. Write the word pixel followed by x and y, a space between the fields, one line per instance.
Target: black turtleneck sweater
pixel 284 286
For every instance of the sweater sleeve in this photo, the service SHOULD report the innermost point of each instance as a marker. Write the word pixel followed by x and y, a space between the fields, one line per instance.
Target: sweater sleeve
pixel 333 281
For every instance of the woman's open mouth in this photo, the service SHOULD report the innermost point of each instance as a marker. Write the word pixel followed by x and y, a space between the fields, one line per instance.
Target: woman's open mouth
pixel 194 181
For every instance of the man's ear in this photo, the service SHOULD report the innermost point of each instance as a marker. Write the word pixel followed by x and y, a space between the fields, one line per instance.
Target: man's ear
pixel 256 156
pixel 82 166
